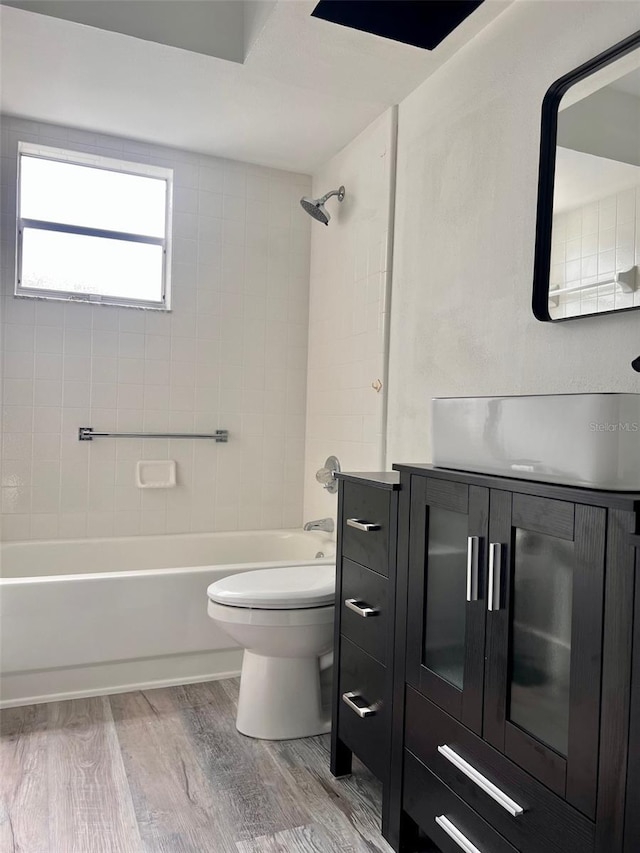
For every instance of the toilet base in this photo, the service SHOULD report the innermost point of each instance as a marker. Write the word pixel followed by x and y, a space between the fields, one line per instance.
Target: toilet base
pixel 280 698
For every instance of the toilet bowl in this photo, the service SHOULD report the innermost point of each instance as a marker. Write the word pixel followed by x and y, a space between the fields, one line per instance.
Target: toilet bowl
pixel 284 620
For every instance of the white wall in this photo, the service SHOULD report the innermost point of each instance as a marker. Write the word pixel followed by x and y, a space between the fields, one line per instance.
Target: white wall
pixel 232 354
pixel 348 312
pixel 465 225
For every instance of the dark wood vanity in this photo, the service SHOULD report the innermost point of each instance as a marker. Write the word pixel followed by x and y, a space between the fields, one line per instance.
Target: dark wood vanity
pixel 487 666
pixel 364 627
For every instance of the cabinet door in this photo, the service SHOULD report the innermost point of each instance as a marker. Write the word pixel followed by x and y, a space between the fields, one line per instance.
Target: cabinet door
pixel 446 606
pixel 544 640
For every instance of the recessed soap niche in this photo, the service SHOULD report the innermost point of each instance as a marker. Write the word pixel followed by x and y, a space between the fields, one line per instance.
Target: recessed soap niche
pixel 156 474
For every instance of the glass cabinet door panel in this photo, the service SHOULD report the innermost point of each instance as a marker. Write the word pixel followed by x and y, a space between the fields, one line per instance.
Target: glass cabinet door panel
pixel 541 637
pixel 445 594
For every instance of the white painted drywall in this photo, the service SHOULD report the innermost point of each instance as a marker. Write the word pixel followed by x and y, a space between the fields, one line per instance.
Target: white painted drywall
pixel 465 227
pixel 348 312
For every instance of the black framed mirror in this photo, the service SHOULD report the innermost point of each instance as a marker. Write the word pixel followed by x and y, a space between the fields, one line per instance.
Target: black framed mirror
pixel 587 254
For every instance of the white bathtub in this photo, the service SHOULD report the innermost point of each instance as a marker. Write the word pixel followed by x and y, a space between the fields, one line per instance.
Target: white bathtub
pixel 85 617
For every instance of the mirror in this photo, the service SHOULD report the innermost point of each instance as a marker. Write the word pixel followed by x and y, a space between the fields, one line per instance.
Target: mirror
pixel 587 258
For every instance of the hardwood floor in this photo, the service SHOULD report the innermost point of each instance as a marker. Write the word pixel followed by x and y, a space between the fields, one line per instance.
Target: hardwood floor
pixel 165 771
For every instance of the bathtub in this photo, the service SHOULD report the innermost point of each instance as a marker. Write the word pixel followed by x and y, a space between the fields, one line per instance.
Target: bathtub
pixel 92 616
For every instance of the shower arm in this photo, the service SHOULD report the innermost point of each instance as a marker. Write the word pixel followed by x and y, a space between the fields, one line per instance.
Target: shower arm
pixel 339 193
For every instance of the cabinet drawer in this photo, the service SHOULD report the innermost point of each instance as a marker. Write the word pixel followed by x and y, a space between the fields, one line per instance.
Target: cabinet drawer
pixel 365 591
pixel 443 816
pixel 546 823
pixel 368 542
pixel 366 680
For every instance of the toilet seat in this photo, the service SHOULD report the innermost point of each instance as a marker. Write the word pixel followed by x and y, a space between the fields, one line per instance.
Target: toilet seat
pixel 276 618
pixel 288 588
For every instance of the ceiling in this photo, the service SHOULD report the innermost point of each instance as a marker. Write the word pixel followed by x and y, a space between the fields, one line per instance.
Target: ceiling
pixel 306 86
pixel 222 28
pixel 621 75
pixel 630 83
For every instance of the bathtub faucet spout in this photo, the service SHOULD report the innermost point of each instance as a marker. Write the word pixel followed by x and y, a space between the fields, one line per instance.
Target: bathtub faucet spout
pixel 325 524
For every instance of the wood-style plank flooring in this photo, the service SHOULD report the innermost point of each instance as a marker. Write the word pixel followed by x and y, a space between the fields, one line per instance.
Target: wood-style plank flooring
pixel 165 771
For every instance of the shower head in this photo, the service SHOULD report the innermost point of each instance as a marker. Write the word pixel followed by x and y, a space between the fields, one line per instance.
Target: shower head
pixel 315 206
pixel 316 209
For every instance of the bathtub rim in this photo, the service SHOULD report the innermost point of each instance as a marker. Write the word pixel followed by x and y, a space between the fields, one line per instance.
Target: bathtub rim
pixel 142 573
pixel 8 549
pixel 200 534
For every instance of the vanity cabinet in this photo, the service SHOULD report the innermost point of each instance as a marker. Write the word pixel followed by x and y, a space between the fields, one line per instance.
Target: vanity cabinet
pixel 515 720
pixel 632 814
pixel 505 622
pixel 487 660
pixel 364 625
pixel 447 612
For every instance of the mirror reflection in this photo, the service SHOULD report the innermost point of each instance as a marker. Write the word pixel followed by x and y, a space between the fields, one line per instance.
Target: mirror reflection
pixel 595 245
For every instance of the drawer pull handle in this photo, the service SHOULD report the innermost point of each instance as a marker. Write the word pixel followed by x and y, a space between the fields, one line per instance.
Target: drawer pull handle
pixel 453 832
pixel 364 526
pixel 495 576
pixel 361 710
pixel 360 607
pixel 473 551
pixel 481 781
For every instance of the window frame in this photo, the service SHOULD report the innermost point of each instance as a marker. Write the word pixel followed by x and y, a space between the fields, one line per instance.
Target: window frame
pixel 96 161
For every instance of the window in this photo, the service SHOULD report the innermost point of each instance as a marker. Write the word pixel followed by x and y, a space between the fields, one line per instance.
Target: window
pixel 92 229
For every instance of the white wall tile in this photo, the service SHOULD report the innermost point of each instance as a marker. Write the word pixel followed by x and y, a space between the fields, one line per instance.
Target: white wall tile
pixel 18 392
pixel 131 345
pixel 347 323
pixel 47 392
pixel 46 366
pixel 15 527
pixel 130 371
pixel 17 418
pixel 156 347
pixel 211 178
pixel 67 365
pixel 75 368
pixel 608 241
pixel 47 419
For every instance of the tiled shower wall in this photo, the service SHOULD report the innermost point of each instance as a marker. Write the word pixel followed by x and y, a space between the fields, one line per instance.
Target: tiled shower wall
pixel 349 311
pixel 589 244
pixel 232 354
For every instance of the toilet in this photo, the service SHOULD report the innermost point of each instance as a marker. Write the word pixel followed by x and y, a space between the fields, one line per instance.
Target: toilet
pixel 283 618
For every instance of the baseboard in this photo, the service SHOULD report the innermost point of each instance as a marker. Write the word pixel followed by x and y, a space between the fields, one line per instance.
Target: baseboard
pixel 108 691
pixel 36 688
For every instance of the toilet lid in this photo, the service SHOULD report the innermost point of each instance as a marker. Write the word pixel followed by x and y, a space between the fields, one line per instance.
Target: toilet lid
pixel 289 588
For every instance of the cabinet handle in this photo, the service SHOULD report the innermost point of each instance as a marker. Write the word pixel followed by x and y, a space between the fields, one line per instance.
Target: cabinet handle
pixel 495 576
pixel 361 710
pixel 360 607
pixel 453 832
pixel 364 526
pixel 473 551
pixel 481 781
